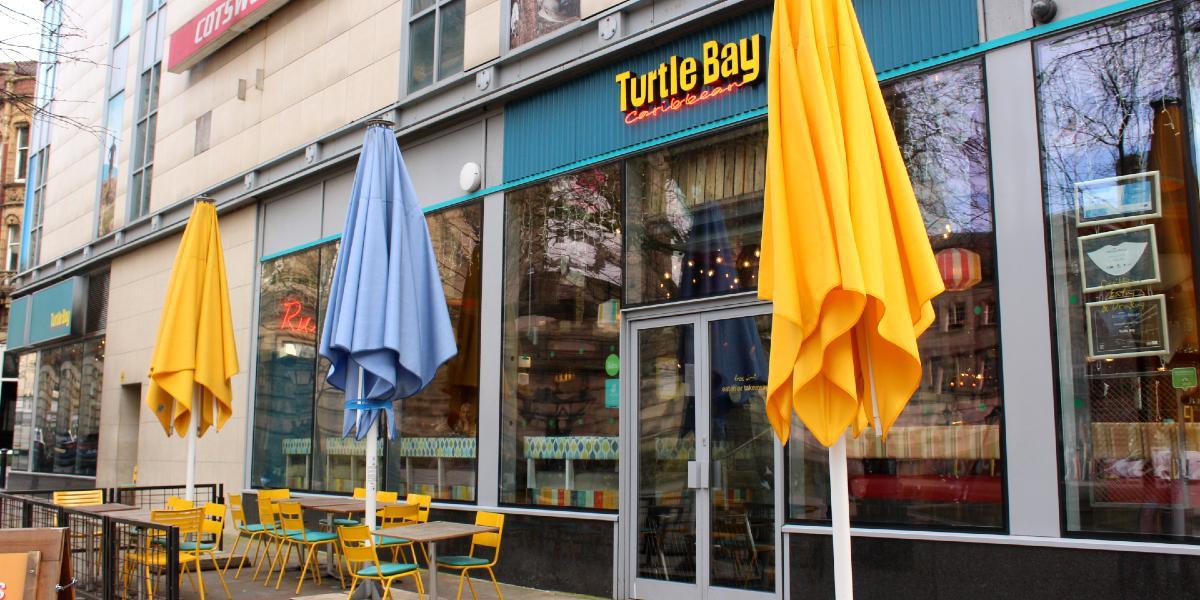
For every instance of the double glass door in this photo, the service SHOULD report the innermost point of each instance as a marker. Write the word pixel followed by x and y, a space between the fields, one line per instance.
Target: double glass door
pixel 704 522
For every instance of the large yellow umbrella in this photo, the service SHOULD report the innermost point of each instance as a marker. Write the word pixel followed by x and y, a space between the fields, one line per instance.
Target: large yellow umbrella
pixel 845 258
pixel 194 355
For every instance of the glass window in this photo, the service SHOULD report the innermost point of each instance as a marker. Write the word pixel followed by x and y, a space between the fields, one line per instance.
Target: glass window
pixel 22 151
pixel 108 168
pixel 36 198
pixel 1115 139
pixel 695 218
pixel 941 465
pixel 435 449
pixel 287 366
pixel 562 290
pixel 124 18
pixel 13 240
pixel 299 413
pixel 142 159
pixel 531 19
pixel 435 27
pixel 23 418
pixel 67 422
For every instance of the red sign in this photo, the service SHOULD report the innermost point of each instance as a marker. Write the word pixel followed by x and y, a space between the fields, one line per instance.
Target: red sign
pixel 214 27
pixel 291 319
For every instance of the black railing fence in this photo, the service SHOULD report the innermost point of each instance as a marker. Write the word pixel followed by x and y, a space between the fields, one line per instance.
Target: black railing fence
pixel 113 557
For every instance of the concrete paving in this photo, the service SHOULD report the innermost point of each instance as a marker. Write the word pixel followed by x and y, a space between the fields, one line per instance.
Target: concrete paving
pixel 245 588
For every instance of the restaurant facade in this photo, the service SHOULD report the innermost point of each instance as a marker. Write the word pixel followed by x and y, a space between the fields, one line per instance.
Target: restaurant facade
pixel 592 174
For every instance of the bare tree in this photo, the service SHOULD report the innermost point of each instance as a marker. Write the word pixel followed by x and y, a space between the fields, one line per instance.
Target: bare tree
pixel 60 40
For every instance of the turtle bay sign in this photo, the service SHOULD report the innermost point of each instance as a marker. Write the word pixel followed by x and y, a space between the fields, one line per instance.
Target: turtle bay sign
pixel 681 83
pixel 213 27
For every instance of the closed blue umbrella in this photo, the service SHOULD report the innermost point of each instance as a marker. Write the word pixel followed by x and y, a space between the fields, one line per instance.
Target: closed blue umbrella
pixel 387 328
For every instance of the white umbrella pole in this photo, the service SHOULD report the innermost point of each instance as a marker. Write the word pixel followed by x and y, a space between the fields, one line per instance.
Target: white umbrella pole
pixel 193 434
pixel 372 461
pixel 839 509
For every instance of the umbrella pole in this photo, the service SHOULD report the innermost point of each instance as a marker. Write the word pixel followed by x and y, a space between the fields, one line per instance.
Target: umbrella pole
pixel 372 462
pixel 193 430
pixel 839 509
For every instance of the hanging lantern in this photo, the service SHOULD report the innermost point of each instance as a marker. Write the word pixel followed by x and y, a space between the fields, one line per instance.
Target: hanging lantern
pixel 959 268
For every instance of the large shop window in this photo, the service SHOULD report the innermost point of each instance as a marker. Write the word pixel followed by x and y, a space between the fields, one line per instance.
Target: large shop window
pixel 941 465
pixel 66 418
pixel 562 289
pixel 1119 185
pixel 694 216
pixel 298 416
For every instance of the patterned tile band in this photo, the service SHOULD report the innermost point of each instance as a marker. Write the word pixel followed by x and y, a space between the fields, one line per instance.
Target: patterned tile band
pixel 965 442
pixel 434 447
pixel 572 447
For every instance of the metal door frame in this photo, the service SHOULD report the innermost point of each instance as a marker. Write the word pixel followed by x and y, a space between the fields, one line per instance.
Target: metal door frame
pixel 699 314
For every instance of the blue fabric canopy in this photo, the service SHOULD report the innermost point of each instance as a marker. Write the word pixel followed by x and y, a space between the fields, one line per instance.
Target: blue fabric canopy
pixel 387 315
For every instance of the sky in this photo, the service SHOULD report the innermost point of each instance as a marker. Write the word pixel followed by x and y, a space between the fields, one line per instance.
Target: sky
pixel 19 20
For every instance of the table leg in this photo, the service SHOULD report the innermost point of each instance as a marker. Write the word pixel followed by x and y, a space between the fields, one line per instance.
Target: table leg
pixel 433 575
pixel 329 558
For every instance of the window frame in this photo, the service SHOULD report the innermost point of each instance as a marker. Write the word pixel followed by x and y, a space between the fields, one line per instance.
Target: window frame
pixel 149 69
pixel 22 151
pixel 437 9
pixel 12 260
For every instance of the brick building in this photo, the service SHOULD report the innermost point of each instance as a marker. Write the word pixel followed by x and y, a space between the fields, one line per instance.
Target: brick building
pixel 16 103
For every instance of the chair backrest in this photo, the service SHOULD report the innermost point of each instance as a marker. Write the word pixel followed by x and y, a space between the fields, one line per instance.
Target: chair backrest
pixel 236 512
pixel 275 494
pixel 387 496
pixel 400 514
pixel 358 545
pixel 424 501
pixel 291 518
pixel 177 503
pixel 360 493
pixel 214 519
pixel 187 520
pixel 266 511
pixel 79 497
pixel 489 539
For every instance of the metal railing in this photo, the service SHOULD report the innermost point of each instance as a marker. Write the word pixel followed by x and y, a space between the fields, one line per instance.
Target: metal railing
pixel 112 557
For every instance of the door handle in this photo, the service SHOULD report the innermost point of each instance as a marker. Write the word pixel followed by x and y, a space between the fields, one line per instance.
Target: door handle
pixel 697 475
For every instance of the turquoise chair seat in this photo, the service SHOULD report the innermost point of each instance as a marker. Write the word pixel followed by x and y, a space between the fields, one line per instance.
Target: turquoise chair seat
pixel 386 569
pixel 313 536
pixel 254 528
pixel 193 546
pixel 462 561
pixel 346 522
pixel 384 540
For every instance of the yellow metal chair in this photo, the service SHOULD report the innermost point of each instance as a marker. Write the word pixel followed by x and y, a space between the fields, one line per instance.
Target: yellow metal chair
pixel 470 562
pixel 79 497
pixel 189 524
pixel 424 502
pixel 252 532
pixel 177 503
pixel 305 541
pixel 397 516
pixel 361 494
pixel 359 548
pixel 272 539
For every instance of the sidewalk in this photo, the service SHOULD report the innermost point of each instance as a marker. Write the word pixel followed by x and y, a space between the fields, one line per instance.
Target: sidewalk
pixel 244 588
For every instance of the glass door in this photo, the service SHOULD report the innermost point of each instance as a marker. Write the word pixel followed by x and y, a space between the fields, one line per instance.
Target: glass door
pixel 703 521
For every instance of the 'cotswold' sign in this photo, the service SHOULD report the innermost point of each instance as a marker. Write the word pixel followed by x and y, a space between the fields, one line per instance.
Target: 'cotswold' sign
pixel 214 27
pixel 680 83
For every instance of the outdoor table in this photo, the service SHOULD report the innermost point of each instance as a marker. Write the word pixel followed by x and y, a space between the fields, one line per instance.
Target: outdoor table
pixel 431 533
pixel 108 507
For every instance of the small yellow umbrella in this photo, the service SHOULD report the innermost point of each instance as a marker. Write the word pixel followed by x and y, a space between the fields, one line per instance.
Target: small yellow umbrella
pixel 194 355
pixel 845 259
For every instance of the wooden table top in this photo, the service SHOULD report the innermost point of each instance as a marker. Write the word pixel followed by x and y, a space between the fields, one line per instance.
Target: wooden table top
pixel 435 531
pixel 107 507
pixel 357 506
pixel 316 501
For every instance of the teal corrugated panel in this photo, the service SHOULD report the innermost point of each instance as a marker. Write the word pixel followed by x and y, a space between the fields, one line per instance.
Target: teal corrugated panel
pixel 581 118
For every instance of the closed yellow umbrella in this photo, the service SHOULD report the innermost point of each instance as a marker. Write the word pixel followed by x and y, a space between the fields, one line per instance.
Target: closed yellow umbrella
pixel 845 256
pixel 194 355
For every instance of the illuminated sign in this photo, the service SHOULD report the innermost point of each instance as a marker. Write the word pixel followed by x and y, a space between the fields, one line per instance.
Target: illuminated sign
pixel 290 319
pixel 680 83
pixel 60 318
pixel 214 27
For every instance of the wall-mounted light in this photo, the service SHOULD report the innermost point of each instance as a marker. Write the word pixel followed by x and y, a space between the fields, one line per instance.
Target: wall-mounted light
pixel 1043 11
pixel 469 178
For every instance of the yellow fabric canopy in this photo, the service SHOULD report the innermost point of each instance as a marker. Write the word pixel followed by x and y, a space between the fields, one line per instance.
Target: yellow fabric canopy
pixel 195 336
pixel 845 255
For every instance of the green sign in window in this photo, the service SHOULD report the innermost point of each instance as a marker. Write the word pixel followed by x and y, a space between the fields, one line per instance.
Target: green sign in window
pixel 1183 378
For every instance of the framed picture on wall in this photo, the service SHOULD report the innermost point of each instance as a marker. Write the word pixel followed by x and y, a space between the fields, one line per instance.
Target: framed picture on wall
pixel 1117 199
pixel 1117 259
pixel 1127 327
